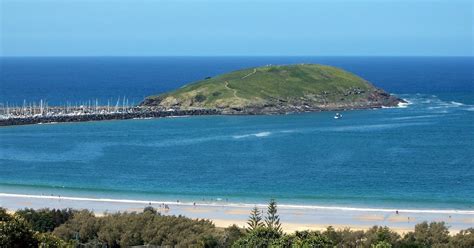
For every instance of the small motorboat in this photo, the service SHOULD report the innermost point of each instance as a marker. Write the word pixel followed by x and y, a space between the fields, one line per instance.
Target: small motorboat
pixel 338 116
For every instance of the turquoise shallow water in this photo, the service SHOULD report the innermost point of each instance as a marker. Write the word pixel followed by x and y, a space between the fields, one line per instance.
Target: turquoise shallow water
pixel 420 156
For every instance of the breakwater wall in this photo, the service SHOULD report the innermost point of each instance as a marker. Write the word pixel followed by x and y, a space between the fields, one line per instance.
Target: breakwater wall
pixel 104 116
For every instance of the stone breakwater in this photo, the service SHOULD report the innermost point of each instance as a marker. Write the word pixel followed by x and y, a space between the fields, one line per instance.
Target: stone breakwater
pixel 104 116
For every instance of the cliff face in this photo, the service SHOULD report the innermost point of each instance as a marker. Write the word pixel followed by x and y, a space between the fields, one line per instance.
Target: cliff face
pixel 277 89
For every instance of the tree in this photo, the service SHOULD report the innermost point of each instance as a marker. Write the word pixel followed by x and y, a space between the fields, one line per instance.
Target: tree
pixel 150 209
pixel 255 219
pixel 382 244
pixel 4 216
pixel 427 235
pixel 48 240
pixel 310 239
pixel 261 237
pixel 378 234
pixel 232 234
pixel 82 227
pixel 16 233
pixel 464 239
pixel 45 220
pixel 272 220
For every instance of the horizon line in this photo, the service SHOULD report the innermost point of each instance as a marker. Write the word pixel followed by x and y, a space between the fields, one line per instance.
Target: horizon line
pixel 223 56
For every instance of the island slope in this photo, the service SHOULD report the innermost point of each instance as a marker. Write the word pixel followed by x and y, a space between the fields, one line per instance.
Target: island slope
pixel 277 89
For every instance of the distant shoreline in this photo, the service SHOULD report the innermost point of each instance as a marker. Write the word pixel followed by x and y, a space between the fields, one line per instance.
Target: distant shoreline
pixel 145 113
pixel 294 217
pixel 247 205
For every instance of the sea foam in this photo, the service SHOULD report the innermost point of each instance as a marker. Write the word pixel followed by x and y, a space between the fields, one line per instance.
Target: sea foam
pixel 239 205
pixel 404 104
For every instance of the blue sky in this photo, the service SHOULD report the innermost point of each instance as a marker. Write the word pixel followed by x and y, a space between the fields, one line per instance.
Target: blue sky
pixel 231 27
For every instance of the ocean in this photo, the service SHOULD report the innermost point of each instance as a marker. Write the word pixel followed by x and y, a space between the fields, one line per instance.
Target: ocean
pixel 416 156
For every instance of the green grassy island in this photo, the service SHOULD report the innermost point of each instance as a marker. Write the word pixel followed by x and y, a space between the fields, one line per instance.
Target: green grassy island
pixel 277 89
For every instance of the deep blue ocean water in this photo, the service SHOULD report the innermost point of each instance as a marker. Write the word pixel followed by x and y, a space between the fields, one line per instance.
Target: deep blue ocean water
pixel 421 156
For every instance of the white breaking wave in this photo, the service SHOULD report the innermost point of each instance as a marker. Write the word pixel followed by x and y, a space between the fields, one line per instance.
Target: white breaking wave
pixel 260 134
pixel 400 104
pixel 241 205
pixel 432 102
pixel 404 104
pixel 457 103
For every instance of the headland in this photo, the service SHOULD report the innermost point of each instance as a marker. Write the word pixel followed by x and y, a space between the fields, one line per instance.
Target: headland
pixel 255 91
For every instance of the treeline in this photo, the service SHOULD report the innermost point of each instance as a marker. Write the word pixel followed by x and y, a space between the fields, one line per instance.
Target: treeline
pixel 72 228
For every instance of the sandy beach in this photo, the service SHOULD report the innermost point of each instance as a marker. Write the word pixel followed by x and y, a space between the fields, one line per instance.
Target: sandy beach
pixel 293 217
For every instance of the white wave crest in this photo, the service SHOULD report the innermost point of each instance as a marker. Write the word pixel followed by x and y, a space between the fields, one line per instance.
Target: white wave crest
pixel 435 104
pixel 260 134
pixel 240 205
pixel 404 104
pixel 457 103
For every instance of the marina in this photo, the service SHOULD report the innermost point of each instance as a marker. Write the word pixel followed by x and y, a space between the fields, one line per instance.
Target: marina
pixel 41 112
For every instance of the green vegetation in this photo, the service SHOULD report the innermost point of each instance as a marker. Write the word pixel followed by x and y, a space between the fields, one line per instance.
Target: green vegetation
pixel 277 88
pixel 255 219
pixel 84 229
pixel 45 220
pixel 272 220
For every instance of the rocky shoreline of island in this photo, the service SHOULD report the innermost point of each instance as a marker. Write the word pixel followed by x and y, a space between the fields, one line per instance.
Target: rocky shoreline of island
pixel 377 99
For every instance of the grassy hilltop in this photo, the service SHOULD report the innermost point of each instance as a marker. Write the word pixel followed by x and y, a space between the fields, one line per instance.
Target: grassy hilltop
pixel 277 89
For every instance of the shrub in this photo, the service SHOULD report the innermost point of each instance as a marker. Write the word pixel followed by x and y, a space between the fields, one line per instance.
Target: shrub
pixel 464 239
pixel 378 234
pixel 45 220
pixel 4 216
pixel 15 233
pixel 200 98
pixel 259 237
pixel 231 234
pixel 147 228
pixel 382 244
pixel 310 239
pixel 427 235
pixel 48 240
pixel 82 227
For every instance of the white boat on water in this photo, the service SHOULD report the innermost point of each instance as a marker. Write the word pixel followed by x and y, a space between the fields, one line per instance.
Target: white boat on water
pixel 338 116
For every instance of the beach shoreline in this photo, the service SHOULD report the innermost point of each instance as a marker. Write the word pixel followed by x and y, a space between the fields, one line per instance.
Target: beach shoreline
pixel 293 217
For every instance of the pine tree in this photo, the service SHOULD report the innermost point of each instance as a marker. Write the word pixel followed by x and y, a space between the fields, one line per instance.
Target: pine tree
pixel 272 220
pixel 255 219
